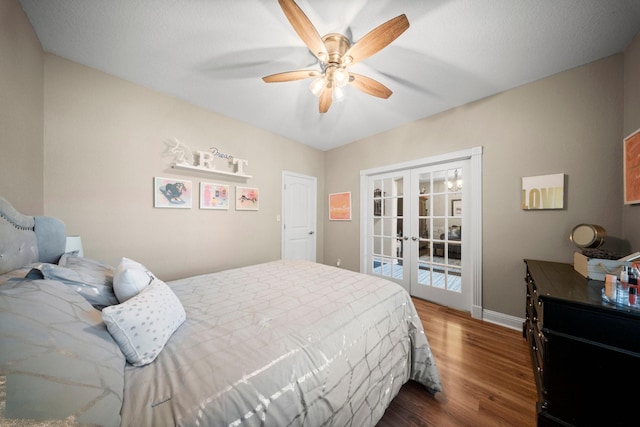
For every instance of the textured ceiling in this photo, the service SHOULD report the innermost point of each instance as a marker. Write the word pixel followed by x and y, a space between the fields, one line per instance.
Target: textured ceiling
pixel 213 53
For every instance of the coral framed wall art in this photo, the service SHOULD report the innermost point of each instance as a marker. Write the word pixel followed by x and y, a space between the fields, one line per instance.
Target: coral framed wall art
pixel 340 206
pixel 632 168
pixel 214 196
pixel 172 193
pixel 247 198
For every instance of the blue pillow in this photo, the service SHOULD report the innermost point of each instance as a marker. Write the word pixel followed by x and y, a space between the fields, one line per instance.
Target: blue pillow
pixel 90 278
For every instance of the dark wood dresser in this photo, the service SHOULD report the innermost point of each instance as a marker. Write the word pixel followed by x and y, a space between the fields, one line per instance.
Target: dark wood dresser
pixel 585 352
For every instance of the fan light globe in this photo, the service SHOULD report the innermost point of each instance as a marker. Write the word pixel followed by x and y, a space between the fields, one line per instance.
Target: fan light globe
pixel 338 93
pixel 316 85
pixel 340 77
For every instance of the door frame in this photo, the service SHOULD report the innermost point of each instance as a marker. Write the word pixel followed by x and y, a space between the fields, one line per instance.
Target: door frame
pixel 314 210
pixel 473 203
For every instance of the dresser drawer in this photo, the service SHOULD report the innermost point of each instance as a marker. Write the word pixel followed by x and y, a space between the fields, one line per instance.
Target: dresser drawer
pixel 534 303
pixel 537 361
pixel 603 327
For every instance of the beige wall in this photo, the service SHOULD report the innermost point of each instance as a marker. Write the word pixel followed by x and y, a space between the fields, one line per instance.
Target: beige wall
pixel 631 213
pixel 568 123
pixel 104 143
pixel 21 104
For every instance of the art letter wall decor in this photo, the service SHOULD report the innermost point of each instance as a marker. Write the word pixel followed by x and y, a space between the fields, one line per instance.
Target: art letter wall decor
pixel 543 192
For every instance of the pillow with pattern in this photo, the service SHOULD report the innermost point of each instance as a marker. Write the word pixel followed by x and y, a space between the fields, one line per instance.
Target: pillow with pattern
pixel 143 324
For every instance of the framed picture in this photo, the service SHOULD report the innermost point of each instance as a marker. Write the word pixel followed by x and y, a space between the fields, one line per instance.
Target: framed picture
pixel 456 207
pixel 214 196
pixel 172 193
pixel 543 192
pixel 340 206
pixel 632 168
pixel 247 198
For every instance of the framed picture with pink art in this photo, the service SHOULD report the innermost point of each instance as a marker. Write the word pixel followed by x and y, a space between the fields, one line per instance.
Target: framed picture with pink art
pixel 632 168
pixel 340 206
pixel 214 196
pixel 247 198
pixel 172 193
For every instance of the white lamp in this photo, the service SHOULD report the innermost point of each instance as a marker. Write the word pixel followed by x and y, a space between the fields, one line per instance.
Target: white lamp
pixel 74 243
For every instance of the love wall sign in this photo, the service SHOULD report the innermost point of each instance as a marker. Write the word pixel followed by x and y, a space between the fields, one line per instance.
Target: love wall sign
pixel 543 192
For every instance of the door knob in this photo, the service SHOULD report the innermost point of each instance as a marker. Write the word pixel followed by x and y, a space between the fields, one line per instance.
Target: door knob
pixel 311 232
pixel 406 237
pixel 414 238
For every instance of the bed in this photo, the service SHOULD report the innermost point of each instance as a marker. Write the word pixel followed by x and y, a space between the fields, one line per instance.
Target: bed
pixel 284 343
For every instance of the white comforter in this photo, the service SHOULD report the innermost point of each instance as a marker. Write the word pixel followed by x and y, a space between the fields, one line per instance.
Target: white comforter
pixel 286 343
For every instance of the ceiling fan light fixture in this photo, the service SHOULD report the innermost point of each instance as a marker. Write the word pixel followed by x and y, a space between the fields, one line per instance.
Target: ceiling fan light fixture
pixel 335 53
pixel 340 77
pixel 317 85
pixel 338 93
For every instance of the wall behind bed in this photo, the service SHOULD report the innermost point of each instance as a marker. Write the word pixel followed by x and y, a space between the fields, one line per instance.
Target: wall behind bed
pixel 84 146
pixel 104 143
pixel 21 109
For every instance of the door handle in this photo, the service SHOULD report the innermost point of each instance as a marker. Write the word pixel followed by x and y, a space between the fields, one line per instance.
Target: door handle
pixel 414 238
pixel 406 237
pixel 311 232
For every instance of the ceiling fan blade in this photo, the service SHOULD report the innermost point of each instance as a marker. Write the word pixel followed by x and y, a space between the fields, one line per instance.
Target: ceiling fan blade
pixel 369 85
pixel 326 97
pixel 305 29
pixel 289 76
pixel 377 39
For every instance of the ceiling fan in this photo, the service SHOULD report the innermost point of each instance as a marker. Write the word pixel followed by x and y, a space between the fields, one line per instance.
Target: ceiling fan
pixel 335 53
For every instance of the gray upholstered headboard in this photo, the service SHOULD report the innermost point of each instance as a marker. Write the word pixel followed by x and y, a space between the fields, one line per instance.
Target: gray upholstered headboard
pixel 25 239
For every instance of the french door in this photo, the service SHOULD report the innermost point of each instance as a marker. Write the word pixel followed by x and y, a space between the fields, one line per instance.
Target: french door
pixel 387 227
pixel 437 235
pixel 415 233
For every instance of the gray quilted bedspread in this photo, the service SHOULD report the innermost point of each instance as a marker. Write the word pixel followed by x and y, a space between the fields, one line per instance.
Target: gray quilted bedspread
pixel 286 343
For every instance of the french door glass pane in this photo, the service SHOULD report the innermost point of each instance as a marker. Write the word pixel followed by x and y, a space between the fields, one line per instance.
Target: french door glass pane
pixel 439 224
pixel 388 227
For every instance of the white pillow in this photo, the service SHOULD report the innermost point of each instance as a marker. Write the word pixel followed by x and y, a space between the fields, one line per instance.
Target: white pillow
pixel 130 279
pixel 142 325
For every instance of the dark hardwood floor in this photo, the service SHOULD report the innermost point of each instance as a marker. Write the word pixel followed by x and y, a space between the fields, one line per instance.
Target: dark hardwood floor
pixel 485 370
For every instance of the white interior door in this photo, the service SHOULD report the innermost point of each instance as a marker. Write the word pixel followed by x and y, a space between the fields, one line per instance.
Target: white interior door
pixel 299 216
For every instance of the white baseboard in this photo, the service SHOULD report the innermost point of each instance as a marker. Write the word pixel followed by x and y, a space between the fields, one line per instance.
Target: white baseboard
pixel 511 322
pixel 476 312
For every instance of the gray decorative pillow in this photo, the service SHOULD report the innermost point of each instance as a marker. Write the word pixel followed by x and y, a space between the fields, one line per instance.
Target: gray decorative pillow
pixel 90 269
pixel 130 279
pixel 96 288
pixel 59 360
pixel 143 324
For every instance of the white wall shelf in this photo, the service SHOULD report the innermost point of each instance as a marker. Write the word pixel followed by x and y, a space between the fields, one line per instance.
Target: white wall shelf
pixel 209 170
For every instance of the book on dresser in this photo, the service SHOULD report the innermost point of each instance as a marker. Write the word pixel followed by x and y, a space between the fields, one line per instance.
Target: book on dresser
pixel 585 350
